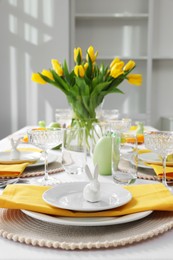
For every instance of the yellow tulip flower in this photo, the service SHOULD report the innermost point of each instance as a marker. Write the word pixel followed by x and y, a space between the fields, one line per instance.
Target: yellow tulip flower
pixel 77 51
pixel 79 71
pixel 91 53
pixel 116 73
pixel 116 60
pixel 86 66
pixel 118 66
pixel 37 78
pixel 130 65
pixel 116 70
pixel 57 67
pixel 48 74
pixel 135 79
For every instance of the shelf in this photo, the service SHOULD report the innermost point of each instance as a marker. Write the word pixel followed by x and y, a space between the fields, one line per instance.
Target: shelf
pixel 132 57
pixel 123 57
pixel 119 29
pixel 111 15
pixel 163 58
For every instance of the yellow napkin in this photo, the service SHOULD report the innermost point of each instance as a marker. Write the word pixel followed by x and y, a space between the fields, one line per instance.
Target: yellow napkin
pixel 144 197
pixel 12 170
pixel 30 149
pixel 140 151
pixel 14 162
pixel 159 170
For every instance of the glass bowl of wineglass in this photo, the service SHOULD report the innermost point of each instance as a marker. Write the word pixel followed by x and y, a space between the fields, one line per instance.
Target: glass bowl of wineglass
pixel 160 142
pixel 46 139
pixel 121 125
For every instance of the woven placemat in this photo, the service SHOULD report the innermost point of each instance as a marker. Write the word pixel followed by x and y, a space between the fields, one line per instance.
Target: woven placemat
pixel 16 226
pixel 54 167
pixel 147 174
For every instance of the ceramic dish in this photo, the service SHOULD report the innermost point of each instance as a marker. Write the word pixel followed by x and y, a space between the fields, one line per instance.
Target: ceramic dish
pixel 152 158
pixel 141 163
pixel 25 156
pixel 70 196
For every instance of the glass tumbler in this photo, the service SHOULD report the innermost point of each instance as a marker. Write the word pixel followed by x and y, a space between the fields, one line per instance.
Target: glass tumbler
pixel 124 158
pixel 74 150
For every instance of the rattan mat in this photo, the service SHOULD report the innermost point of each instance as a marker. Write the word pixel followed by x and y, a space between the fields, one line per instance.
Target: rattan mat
pixel 16 226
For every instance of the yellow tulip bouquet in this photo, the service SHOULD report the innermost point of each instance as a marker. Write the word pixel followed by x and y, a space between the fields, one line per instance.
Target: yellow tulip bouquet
pixel 86 85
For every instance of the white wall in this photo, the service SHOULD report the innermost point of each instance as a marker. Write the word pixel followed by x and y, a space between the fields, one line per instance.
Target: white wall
pixel 32 33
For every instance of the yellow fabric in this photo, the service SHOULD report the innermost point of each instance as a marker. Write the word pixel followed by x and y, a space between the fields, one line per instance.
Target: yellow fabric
pixel 14 162
pixel 143 151
pixel 159 170
pixel 30 149
pixel 12 170
pixel 144 197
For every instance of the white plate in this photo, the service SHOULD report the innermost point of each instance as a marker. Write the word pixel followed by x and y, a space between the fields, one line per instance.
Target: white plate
pixel 150 158
pixel 100 221
pixel 25 156
pixel 52 157
pixel 153 158
pixel 141 163
pixel 70 196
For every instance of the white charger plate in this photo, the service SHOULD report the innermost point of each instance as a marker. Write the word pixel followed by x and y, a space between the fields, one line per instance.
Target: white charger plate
pixel 70 196
pixel 95 221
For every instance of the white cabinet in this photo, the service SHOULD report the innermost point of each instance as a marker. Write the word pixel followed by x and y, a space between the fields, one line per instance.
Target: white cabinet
pixel 128 29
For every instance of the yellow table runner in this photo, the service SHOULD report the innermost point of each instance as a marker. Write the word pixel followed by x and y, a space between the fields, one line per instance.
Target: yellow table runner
pixel 144 197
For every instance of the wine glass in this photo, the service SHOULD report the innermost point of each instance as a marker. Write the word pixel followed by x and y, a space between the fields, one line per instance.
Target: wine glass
pixel 121 125
pixel 46 139
pixel 160 142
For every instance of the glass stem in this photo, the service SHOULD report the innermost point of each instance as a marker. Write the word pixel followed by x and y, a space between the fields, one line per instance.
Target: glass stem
pixel 164 170
pixel 46 177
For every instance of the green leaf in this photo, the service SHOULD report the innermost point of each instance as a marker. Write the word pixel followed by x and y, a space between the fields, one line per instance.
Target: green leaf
pixel 113 90
pixel 98 89
pixel 64 86
pixel 66 73
pixel 53 83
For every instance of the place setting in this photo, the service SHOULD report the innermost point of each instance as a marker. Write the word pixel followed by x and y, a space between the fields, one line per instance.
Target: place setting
pixel 88 201
pixel 83 207
pixel 155 161
pixel 24 159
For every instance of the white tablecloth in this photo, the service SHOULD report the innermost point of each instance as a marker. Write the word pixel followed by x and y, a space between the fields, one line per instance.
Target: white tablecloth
pixel 160 247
